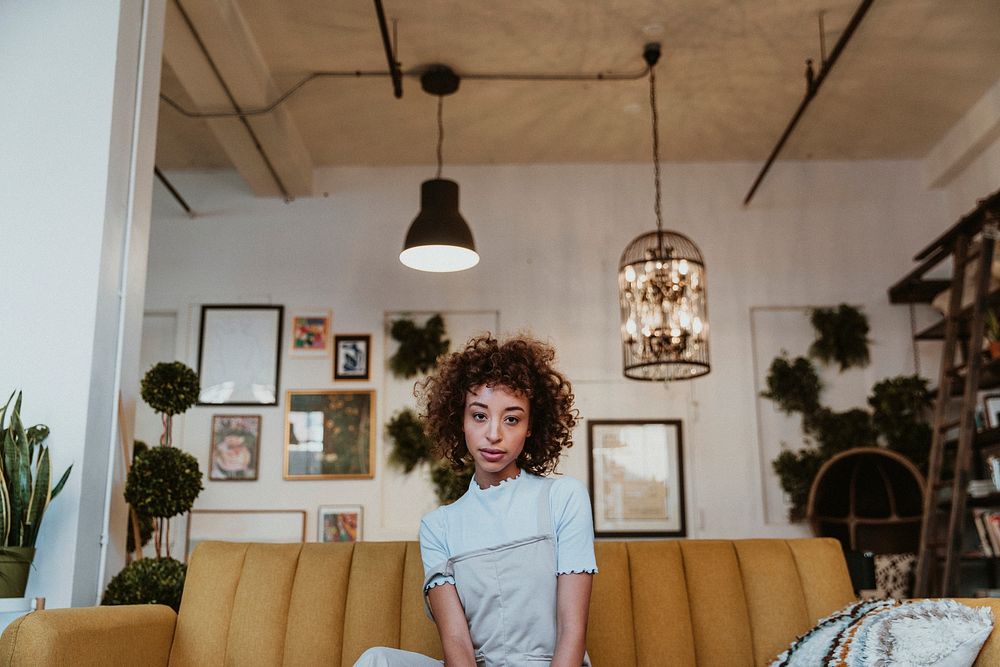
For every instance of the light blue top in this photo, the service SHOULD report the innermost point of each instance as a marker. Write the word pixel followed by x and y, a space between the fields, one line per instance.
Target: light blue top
pixel 484 518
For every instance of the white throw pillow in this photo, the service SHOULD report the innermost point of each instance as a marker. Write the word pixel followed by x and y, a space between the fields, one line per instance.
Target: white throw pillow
pixel 888 633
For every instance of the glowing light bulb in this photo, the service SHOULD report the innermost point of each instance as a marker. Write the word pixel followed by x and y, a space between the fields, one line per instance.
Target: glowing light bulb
pixel 629 274
pixel 697 327
pixel 682 267
pixel 630 327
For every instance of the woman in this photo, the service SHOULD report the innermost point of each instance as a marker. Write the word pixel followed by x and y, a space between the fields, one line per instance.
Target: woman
pixel 508 565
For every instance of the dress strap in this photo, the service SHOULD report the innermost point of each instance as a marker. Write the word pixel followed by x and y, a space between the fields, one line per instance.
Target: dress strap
pixel 545 526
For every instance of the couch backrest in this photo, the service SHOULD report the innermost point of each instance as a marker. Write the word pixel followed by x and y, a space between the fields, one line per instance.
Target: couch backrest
pixel 710 602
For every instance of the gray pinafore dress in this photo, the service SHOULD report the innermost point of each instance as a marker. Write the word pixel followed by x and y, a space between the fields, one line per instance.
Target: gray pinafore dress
pixel 509 595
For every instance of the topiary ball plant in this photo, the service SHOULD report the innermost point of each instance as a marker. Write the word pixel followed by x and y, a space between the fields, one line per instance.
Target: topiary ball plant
pixel 170 388
pixel 148 581
pixel 164 482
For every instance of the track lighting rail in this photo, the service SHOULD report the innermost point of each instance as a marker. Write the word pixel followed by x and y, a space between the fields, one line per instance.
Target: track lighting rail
pixel 811 90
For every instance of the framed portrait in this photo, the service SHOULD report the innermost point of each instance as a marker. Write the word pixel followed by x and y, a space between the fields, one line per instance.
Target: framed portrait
pixel 351 356
pixel 281 526
pixel 340 523
pixel 309 333
pixel 239 355
pixel 330 434
pixel 235 448
pixel 637 478
pixel 991 406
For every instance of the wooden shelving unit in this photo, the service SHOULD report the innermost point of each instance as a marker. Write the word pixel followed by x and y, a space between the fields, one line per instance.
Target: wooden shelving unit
pixel 964 371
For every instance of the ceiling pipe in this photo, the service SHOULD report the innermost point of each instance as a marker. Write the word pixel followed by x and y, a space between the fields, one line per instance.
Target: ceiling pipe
pixel 811 91
pixel 390 55
pixel 232 100
pixel 177 195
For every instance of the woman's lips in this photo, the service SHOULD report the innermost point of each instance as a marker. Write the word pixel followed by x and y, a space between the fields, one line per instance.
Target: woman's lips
pixel 491 455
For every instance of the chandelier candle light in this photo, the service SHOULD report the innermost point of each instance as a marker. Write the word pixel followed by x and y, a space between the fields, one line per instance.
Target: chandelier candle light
pixel 661 287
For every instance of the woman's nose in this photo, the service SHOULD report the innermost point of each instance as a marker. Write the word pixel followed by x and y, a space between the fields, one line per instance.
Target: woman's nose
pixel 493 432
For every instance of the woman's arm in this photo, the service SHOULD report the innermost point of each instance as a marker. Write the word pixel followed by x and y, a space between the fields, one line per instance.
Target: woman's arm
pixel 449 615
pixel 572 607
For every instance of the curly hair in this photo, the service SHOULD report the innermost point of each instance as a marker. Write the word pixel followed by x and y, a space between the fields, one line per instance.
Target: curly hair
pixel 521 364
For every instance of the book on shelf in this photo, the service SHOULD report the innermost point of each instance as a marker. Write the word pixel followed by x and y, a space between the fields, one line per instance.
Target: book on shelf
pixel 980 519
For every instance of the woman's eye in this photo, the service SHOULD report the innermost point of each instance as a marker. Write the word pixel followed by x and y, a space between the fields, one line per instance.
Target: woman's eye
pixel 479 416
pixel 513 420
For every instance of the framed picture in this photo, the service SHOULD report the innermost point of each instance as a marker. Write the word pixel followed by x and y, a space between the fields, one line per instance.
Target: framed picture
pixel 330 434
pixel 239 355
pixel 991 405
pixel 352 353
pixel 280 526
pixel 235 447
pixel 309 333
pixel 637 478
pixel 340 523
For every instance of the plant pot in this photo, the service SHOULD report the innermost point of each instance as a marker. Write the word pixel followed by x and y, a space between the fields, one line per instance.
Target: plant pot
pixel 15 562
pixel 995 349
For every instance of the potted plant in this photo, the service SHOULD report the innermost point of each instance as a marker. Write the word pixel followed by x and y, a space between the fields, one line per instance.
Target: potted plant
pixel 25 493
pixel 993 333
pixel 162 483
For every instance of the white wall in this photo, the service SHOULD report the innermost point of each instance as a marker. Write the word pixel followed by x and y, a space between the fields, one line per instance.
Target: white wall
pixel 550 239
pixel 75 190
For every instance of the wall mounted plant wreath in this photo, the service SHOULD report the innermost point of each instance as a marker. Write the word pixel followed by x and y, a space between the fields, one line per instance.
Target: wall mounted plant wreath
pixel 841 336
pixel 411 448
pixel 419 347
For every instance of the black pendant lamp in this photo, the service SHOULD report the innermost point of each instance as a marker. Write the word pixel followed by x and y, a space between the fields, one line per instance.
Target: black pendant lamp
pixel 439 240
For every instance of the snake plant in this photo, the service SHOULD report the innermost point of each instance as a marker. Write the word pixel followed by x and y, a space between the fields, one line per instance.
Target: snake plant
pixel 25 478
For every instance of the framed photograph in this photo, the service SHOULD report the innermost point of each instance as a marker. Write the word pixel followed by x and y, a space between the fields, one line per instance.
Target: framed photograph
pixel 352 354
pixel 309 334
pixel 340 523
pixel 991 405
pixel 330 434
pixel 637 478
pixel 281 526
pixel 239 355
pixel 235 447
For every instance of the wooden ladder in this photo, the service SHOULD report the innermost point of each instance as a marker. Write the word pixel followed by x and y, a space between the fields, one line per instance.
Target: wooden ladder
pixel 938 563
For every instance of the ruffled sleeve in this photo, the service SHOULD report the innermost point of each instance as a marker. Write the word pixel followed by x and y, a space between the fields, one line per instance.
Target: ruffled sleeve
pixel 434 546
pixel 574 526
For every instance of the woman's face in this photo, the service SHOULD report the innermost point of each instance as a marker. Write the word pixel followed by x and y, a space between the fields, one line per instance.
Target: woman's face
pixel 496 425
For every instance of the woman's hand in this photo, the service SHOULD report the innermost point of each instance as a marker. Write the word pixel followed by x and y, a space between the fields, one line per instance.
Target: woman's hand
pixel 572 607
pixel 449 615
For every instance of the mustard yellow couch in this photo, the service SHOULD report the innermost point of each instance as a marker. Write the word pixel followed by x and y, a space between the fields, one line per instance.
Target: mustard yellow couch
pixel 655 603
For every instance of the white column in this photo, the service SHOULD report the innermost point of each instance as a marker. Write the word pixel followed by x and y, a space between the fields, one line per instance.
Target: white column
pixel 77 131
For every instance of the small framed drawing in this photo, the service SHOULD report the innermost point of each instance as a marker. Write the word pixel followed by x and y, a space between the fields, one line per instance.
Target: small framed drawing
pixel 239 355
pixel 991 405
pixel 235 447
pixel 280 526
pixel 352 353
pixel 330 434
pixel 637 478
pixel 340 523
pixel 310 333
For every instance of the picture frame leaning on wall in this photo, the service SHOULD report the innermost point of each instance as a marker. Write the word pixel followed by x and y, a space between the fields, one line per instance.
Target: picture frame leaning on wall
pixel 637 478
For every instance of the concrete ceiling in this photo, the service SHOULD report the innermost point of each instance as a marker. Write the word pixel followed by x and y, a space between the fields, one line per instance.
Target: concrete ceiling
pixel 730 79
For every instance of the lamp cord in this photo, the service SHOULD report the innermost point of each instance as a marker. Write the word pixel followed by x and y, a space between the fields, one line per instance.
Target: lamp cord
pixel 656 160
pixel 440 134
